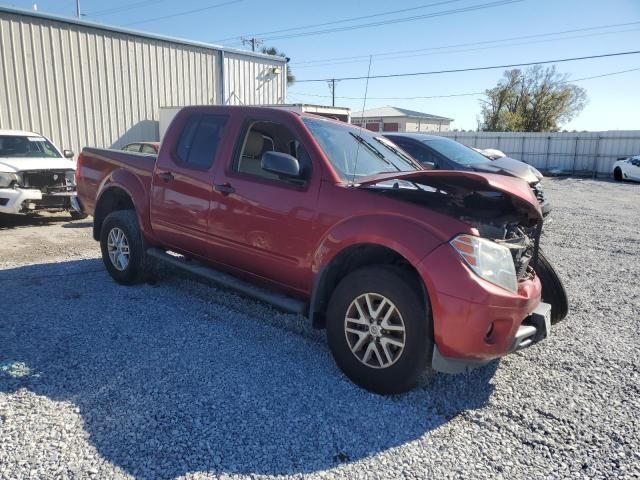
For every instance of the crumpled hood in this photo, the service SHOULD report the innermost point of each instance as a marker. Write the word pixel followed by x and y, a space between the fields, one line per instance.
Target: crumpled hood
pixel 17 164
pixel 451 180
pixel 510 166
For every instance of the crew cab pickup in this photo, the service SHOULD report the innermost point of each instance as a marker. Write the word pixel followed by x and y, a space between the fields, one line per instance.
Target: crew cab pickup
pixel 405 268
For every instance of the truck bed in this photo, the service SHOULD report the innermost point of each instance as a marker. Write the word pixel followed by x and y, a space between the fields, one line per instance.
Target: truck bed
pixel 98 164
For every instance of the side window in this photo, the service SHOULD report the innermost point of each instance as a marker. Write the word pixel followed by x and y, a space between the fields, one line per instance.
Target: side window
pixel 147 149
pixel 264 137
pixel 132 147
pixel 199 140
pixel 420 153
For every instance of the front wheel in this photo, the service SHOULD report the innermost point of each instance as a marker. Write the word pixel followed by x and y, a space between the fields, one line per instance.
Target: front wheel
pixel 617 174
pixel 379 329
pixel 77 215
pixel 122 246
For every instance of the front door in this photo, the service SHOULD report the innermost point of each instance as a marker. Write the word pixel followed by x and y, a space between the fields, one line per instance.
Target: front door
pixel 183 181
pixel 267 222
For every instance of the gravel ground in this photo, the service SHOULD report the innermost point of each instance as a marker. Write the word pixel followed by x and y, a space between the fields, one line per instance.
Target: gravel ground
pixel 179 379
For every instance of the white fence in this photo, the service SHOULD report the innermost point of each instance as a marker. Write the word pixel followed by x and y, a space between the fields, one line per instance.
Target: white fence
pixel 582 153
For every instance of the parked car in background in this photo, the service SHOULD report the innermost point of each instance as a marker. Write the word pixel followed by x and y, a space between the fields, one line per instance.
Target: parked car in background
pixel 406 268
pixel 35 175
pixel 435 152
pixel 491 153
pixel 142 147
pixel 627 169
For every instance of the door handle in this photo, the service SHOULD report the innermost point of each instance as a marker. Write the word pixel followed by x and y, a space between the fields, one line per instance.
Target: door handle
pixel 225 188
pixel 166 176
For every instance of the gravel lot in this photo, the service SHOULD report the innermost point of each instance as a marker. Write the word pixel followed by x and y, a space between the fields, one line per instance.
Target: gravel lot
pixel 179 379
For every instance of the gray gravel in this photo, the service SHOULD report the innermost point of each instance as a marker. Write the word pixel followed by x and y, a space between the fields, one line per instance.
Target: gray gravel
pixel 181 379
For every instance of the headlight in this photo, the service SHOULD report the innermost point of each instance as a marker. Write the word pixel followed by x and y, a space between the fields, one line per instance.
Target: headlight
pixel 70 177
pixel 488 260
pixel 6 179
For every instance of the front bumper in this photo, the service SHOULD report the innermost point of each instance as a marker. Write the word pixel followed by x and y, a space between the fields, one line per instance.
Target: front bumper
pixel 534 328
pixel 475 321
pixel 24 200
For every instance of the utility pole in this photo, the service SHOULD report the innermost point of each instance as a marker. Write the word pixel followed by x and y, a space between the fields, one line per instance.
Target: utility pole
pixel 253 41
pixel 78 8
pixel 332 87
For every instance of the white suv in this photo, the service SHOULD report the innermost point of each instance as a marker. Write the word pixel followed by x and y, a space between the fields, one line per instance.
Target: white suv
pixel 35 175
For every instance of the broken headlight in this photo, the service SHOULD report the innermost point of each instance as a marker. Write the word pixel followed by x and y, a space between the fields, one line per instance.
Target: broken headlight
pixel 488 260
pixel 70 177
pixel 8 179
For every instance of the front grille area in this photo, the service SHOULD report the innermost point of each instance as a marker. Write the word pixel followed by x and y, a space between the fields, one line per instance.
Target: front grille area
pixel 47 181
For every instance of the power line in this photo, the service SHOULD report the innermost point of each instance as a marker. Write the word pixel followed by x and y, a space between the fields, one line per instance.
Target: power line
pixel 463 94
pixel 397 20
pixel 111 11
pixel 472 69
pixel 345 20
pixel 436 50
pixel 189 12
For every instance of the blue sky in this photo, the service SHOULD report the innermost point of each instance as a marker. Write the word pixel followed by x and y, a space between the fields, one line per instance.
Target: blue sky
pixel 614 101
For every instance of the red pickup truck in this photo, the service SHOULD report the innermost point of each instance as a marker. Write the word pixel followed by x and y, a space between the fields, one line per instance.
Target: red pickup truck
pixel 405 268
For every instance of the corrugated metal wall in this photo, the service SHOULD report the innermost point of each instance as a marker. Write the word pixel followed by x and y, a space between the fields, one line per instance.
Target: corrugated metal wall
pixel 82 85
pixel 580 152
pixel 252 81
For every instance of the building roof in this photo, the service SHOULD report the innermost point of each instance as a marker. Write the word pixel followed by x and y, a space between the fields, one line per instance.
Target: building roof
pixel 138 33
pixel 390 111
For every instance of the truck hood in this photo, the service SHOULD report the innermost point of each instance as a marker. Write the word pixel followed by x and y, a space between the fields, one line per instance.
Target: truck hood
pixel 451 181
pixel 510 166
pixel 19 164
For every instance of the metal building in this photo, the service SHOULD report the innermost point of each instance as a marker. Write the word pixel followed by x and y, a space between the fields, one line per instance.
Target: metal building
pixel 81 83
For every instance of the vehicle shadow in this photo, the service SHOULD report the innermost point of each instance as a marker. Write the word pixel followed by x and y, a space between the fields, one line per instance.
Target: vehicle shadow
pixel 169 383
pixel 10 222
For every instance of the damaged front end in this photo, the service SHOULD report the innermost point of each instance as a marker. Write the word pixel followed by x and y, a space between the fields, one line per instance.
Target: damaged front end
pixel 501 209
pixel 32 190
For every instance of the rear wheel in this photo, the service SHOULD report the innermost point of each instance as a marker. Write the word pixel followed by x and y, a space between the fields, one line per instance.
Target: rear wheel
pixel 553 291
pixel 123 249
pixel 379 329
pixel 617 174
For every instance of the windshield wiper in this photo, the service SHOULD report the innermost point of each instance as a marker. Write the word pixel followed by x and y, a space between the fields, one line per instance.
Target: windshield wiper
pixel 372 149
pixel 400 153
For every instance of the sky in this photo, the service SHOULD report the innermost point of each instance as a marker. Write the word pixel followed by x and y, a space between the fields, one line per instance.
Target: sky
pixel 448 34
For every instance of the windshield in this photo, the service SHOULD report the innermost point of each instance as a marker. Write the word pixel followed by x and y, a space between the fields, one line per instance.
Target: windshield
pixel 22 146
pixel 344 144
pixel 456 152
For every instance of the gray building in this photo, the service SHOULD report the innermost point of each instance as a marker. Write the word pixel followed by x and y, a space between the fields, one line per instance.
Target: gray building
pixel 394 119
pixel 82 83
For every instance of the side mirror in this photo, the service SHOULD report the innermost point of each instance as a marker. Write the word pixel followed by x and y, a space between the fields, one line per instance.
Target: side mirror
pixel 281 164
pixel 67 153
pixel 429 166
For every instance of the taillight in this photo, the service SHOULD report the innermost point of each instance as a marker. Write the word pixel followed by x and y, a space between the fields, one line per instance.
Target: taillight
pixel 78 166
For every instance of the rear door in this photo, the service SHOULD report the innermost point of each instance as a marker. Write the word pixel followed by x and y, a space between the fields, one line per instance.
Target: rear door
pixel 183 182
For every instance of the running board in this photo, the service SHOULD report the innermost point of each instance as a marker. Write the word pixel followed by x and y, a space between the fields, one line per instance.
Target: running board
pixel 278 300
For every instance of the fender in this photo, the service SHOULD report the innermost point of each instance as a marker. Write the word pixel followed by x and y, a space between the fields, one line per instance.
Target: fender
pixel 137 191
pixel 388 235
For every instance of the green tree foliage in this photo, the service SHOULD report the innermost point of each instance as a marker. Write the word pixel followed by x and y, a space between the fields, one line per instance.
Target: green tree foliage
pixel 274 51
pixel 538 99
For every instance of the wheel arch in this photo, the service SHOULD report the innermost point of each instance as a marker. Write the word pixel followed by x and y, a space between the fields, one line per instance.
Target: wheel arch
pixel 113 198
pixel 347 260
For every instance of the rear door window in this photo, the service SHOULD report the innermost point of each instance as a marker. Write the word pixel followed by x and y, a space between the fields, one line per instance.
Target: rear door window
pixel 199 140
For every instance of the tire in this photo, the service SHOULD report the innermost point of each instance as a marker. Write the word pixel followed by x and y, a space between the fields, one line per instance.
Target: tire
pixel 617 174
pixel 553 291
pixel 136 268
pixel 404 365
pixel 77 215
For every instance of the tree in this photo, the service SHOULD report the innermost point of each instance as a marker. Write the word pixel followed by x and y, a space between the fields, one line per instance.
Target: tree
pixel 538 99
pixel 274 51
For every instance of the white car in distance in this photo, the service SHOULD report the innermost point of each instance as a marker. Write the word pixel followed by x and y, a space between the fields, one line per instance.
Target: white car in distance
pixel 35 175
pixel 627 169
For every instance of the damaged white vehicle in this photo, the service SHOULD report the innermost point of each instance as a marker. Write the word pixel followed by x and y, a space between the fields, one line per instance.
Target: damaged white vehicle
pixel 35 175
